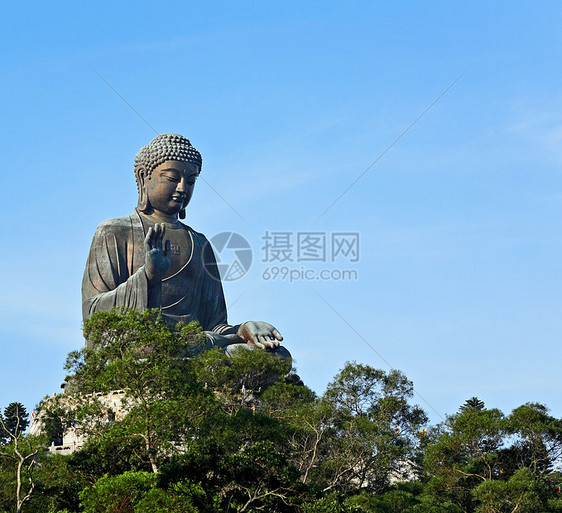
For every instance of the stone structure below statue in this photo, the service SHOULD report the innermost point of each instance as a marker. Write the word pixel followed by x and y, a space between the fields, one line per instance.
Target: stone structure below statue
pixel 73 438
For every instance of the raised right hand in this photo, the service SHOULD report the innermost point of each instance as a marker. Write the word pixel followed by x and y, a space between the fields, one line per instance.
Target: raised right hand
pixel 156 261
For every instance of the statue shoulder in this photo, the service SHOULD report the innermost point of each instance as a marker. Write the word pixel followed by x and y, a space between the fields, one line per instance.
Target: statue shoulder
pixel 119 226
pixel 197 236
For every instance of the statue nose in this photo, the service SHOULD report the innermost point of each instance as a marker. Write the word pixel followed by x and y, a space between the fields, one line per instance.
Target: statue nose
pixel 181 186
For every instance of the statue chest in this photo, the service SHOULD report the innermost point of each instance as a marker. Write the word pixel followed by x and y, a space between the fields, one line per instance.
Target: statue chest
pixel 180 250
pixel 181 282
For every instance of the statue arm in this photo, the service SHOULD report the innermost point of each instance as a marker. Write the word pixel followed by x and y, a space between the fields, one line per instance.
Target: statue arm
pixel 214 339
pixel 213 315
pixel 226 329
pixel 108 278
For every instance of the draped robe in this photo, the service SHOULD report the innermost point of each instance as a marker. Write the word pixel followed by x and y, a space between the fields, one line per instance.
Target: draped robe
pixel 114 276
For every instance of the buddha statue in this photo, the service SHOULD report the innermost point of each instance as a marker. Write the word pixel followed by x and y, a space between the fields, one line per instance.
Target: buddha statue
pixel 150 259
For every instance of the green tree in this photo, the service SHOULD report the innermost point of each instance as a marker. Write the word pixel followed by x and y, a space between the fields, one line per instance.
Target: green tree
pixel 464 453
pixel 359 434
pixel 54 422
pixel 305 420
pixel 58 485
pixel 521 492
pixel 117 494
pixel 481 460
pixel 179 410
pixel 240 460
pixel 15 421
pixel 19 453
pixel 473 402
pixel 239 382
pixel 148 360
pixel 538 438
pixel 256 477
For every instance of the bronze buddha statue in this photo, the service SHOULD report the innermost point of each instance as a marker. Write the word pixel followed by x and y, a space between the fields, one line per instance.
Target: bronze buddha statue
pixel 150 259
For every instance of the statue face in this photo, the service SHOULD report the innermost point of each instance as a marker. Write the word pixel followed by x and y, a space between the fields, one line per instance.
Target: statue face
pixel 170 186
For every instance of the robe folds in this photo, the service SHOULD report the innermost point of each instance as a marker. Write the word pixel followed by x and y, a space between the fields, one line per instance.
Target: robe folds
pixel 114 276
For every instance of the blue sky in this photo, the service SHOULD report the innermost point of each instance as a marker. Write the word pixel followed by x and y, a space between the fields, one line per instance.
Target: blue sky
pixel 459 276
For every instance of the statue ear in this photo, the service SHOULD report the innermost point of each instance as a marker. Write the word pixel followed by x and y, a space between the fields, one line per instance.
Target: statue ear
pixel 141 176
pixel 181 213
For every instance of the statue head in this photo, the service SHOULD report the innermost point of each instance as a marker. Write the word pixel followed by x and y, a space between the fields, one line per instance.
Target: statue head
pixel 182 159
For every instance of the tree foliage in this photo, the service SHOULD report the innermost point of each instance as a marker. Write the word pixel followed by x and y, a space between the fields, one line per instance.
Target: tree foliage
pixel 14 421
pixel 482 460
pixel 204 432
pixel 473 402
pixel 17 456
